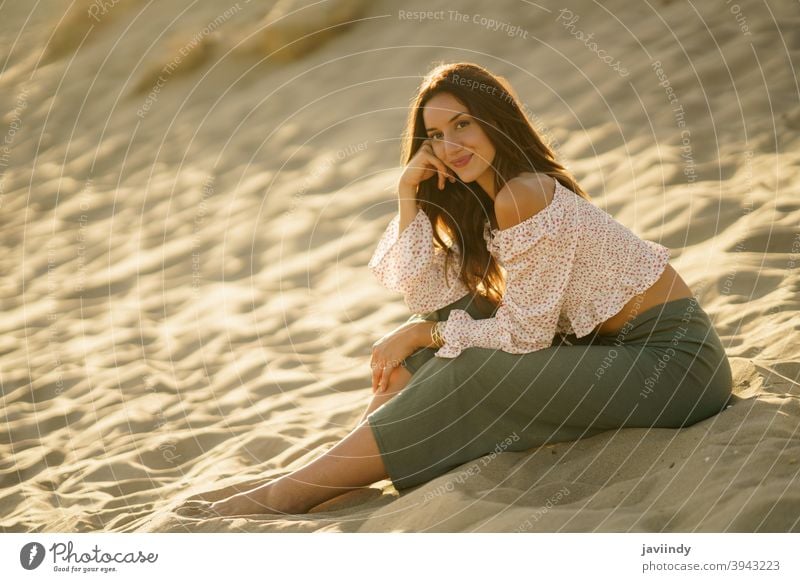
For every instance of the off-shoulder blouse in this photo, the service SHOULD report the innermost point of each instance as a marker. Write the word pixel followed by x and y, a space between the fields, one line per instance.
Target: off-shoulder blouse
pixel 569 267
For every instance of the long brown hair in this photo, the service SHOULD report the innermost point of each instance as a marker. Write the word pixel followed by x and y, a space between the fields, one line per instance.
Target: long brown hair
pixel 460 210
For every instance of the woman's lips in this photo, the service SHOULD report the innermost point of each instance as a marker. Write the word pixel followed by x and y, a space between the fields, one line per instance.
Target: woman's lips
pixel 463 161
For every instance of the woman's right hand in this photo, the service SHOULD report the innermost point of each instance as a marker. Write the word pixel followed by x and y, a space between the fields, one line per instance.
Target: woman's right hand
pixel 423 165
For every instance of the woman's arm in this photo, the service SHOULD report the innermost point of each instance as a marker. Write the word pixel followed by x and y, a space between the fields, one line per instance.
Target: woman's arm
pixel 406 261
pixel 407 202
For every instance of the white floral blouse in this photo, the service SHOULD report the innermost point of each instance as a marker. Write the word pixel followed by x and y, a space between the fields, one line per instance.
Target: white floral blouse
pixel 569 267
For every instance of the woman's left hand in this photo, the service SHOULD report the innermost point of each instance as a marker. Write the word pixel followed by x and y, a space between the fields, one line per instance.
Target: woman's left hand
pixel 389 351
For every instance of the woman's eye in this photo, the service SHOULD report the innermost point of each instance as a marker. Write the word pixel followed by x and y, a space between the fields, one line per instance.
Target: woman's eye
pixel 458 123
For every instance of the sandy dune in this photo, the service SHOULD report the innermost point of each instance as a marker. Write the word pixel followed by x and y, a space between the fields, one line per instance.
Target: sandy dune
pixel 189 198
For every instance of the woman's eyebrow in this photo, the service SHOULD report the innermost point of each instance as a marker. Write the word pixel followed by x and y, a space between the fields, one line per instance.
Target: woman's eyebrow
pixel 448 121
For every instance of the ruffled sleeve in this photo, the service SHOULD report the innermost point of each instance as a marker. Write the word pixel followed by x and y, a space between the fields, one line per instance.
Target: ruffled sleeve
pixel 409 263
pixel 537 255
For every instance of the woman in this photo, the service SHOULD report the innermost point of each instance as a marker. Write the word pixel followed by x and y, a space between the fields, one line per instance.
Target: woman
pixel 536 316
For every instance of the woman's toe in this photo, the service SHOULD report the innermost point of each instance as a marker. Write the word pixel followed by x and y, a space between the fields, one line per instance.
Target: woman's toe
pixel 195 509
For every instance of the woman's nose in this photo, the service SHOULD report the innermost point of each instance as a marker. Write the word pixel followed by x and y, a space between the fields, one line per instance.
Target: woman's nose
pixel 452 147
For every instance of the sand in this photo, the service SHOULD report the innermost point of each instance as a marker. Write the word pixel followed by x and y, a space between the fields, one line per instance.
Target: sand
pixel 187 216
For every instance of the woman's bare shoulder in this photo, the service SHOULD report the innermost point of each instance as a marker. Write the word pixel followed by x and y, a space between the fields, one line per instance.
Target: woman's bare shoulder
pixel 522 197
pixel 540 183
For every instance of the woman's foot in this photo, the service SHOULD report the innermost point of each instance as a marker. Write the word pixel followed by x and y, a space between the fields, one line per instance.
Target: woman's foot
pixel 194 509
pixel 255 501
pixel 354 462
pixel 264 499
pixel 228 490
pixel 353 498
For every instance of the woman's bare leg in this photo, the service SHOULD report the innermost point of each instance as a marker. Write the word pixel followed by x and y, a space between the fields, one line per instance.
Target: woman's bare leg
pixel 353 462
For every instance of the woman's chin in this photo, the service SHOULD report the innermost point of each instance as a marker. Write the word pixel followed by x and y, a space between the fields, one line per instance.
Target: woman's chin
pixel 465 175
pixel 470 173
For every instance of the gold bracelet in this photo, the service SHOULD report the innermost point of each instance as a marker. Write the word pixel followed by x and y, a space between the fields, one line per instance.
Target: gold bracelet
pixel 436 335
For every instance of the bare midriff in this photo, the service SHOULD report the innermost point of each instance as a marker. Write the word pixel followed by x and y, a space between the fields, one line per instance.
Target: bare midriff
pixel 669 287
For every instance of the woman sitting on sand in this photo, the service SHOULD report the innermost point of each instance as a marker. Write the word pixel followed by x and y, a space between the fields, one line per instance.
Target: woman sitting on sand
pixel 587 328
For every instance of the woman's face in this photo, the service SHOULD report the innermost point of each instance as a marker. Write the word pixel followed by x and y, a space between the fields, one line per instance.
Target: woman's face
pixel 456 136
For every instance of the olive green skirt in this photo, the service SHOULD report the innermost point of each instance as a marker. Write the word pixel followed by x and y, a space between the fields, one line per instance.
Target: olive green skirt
pixel 666 368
